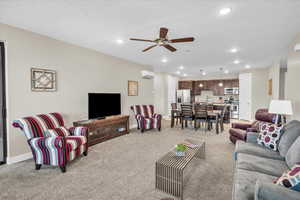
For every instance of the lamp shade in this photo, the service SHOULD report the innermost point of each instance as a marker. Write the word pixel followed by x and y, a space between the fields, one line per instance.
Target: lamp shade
pixel 281 107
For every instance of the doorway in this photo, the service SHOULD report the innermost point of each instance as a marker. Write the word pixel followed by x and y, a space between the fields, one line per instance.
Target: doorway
pixel 3 142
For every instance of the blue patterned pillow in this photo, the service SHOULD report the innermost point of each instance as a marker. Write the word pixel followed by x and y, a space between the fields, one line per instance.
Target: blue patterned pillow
pixel 291 179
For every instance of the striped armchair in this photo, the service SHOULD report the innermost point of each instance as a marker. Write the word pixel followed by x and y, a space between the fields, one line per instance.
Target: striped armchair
pixel 146 118
pixel 50 142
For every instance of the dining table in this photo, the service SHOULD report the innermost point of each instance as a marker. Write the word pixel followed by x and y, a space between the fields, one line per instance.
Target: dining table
pixel 211 113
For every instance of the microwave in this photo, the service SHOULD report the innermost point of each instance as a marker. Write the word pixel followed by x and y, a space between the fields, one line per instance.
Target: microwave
pixel 234 90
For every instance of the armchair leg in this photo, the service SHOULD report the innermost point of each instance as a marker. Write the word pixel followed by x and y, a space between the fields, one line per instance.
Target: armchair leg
pixel 38 166
pixel 142 130
pixel 85 153
pixel 159 128
pixel 63 168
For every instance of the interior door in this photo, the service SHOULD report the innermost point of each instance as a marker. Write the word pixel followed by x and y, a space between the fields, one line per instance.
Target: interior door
pixel 2 106
pixel 245 96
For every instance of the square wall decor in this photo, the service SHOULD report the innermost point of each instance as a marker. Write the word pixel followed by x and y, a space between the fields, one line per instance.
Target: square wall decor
pixel 133 88
pixel 43 80
pixel 270 87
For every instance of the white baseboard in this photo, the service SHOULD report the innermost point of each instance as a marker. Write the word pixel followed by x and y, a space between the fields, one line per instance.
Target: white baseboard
pixel 19 158
pixel 133 126
pixel 166 117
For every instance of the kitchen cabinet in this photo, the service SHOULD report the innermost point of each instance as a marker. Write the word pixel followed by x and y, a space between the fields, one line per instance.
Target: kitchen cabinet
pixel 212 85
pixel 182 85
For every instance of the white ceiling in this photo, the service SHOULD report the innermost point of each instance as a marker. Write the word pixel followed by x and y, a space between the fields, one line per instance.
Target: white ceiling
pixel 261 29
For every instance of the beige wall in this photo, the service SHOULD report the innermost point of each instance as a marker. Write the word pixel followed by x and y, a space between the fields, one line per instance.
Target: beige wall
pixel 79 71
pixel 161 93
pixel 274 74
pixel 165 87
pixel 293 78
pixel 260 97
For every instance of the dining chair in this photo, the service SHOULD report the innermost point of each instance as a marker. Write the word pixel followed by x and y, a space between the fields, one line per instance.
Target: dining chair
pixel 203 106
pixel 186 114
pixel 209 108
pixel 201 117
pixel 175 113
pixel 222 117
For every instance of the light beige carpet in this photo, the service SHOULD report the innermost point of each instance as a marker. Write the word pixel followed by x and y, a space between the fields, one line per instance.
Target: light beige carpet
pixel 123 169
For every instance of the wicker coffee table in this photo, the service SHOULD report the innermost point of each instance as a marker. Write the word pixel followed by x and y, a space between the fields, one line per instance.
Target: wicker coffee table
pixel 170 169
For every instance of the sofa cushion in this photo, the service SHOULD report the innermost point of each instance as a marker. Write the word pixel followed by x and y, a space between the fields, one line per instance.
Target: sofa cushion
pixel 291 132
pixel 291 179
pixel 60 131
pixel 244 183
pixel 263 165
pixel 257 150
pixel 269 136
pixel 293 155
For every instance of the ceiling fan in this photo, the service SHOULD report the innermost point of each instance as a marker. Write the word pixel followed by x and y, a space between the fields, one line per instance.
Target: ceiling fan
pixel 164 41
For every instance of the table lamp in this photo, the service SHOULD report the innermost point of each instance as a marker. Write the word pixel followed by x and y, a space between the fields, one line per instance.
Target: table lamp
pixel 281 108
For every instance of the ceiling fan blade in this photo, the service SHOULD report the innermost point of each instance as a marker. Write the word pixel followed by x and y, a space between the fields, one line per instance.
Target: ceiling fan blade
pixel 136 39
pixel 163 32
pixel 149 48
pixel 167 46
pixel 189 39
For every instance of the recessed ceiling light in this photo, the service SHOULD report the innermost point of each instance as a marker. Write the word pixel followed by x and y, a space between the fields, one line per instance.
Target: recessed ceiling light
pixel 225 11
pixel 221 84
pixel 119 41
pixel 178 72
pixel 233 50
pixel 164 60
pixel 226 71
pixel 247 66
pixel 184 74
pixel 203 73
pixel 181 67
pixel 236 62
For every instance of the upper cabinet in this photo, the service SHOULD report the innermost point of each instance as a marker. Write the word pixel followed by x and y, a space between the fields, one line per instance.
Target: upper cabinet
pixel 185 85
pixel 197 87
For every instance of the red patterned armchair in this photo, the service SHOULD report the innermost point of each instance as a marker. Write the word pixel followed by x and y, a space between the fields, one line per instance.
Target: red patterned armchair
pixel 146 118
pixel 50 142
pixel 239 130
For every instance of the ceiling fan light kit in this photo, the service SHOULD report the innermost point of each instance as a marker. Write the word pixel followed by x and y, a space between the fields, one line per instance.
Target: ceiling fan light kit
pixel 164 41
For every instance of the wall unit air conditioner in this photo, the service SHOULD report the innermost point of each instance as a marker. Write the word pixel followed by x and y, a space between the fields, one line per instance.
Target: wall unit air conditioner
pixel 297 47
pixel 147 74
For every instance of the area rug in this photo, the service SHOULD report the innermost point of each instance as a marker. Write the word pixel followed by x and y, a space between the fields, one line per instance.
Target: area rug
pixel 123 169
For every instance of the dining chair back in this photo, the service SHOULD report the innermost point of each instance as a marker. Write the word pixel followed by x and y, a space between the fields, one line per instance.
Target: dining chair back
pixel 201 116
pixel 186 110
pixel 174 106
pixel 209 108
pixel 203 106
pixel 186 114
pixel 200 112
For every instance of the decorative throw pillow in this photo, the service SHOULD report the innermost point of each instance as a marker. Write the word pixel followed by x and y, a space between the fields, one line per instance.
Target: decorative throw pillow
pixel 60 131
pixel 291 179
pixel 269 135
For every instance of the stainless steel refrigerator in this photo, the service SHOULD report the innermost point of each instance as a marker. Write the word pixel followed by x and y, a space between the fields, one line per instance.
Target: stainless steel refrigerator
pixel 183 96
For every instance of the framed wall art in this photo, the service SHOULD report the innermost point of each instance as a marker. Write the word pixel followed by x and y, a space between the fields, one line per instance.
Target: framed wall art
pixel 270 87
pixel 133 88
pixel 43 80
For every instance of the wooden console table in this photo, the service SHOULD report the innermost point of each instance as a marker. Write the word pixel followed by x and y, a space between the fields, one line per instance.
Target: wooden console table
pixel 105 129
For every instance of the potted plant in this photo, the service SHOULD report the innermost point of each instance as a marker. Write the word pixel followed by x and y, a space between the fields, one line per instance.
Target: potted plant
pixel 180 149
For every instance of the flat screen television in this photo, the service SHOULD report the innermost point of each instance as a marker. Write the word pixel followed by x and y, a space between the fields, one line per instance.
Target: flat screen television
pixel 104 104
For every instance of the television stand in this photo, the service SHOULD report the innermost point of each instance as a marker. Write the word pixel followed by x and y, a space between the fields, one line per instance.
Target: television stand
pixel 101 130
